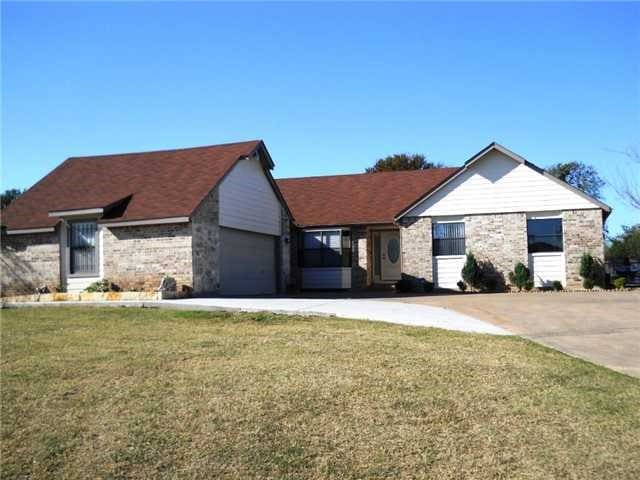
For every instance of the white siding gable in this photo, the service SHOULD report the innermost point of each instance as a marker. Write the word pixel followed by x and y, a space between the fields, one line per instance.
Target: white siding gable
pixel 247 199
pixel 497 183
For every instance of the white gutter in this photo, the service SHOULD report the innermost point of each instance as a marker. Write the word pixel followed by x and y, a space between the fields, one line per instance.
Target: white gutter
pixel 73 213
pixel 31 230
pixel 155 221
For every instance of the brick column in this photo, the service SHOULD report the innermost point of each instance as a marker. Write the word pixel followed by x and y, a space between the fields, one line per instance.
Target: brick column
pixel 417 253
pixel 582 233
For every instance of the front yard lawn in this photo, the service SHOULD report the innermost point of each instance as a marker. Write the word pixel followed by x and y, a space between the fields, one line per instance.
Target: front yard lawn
pixel 145 393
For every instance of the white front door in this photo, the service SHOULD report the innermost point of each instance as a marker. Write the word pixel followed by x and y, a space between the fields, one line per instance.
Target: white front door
pixel 390 255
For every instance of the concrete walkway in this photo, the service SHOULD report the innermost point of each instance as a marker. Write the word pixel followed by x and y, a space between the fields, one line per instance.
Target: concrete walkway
pixel 363 309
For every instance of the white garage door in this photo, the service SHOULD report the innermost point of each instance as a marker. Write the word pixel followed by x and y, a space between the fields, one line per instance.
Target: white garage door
pixel 247 263
pixel 547 267
pixel 447 271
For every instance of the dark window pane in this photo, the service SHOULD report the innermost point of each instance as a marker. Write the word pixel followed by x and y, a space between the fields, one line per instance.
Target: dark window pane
pixel 330 249
pixel 312 240
pixel 312 258
pixel 331 258
pixel 448 239
pixel 544 235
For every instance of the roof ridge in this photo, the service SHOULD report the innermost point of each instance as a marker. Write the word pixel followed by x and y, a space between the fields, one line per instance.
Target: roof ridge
pixel 366 173
pixel 85 157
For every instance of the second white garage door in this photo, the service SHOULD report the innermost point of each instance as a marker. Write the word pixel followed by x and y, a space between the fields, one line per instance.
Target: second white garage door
pixel 247 263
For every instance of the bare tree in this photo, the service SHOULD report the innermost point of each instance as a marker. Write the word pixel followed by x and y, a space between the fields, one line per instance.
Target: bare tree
pixel 627 181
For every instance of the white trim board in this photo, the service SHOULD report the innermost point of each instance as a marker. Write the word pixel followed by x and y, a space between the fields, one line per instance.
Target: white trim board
pixel 74 213
pixel 155 221
pixel 25 231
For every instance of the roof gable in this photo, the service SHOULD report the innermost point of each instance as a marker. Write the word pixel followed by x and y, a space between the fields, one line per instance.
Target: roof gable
pixel 130 186
pixel 498 180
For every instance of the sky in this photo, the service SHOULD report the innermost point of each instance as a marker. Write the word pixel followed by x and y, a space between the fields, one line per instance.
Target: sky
pixel 329 87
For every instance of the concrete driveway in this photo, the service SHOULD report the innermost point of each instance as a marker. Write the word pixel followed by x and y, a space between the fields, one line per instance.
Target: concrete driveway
pixel 365 309
pixel 600 327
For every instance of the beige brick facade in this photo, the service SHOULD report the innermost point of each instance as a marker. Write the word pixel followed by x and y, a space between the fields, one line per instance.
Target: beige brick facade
pixel 205 246
pixel 582 232
pixel 359 257
pixel 29 262
pixel 136 258
pixel 416 245
pixel 499 240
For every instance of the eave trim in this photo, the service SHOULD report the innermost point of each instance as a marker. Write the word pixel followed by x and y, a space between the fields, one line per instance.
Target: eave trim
pixel 74 213
pixel 25 231
pixel 153 221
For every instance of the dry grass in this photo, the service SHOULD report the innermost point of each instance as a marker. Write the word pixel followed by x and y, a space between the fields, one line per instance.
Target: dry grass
pixel 140 393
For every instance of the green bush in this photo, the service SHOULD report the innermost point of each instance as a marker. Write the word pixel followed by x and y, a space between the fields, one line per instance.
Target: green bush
pixel 490 284
pixel 471 272
pixel 462 286
pixel 619 283
pixel 557 285
pixel 587 271
pixel 591 271
pixel 528 285
pixel 102 286
pixel 520 277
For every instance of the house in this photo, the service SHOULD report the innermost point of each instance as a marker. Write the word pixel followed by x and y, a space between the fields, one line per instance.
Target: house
pixel 214 219
pixel 210 217
pixel 367 229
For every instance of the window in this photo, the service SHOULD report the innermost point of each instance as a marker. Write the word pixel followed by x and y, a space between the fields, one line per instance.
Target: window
pixel 544 235
pixel 448 238
pixel 328 248
pixel 83 259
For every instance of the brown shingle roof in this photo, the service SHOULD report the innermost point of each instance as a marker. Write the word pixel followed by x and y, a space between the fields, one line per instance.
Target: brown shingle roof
pixel 147 185
pixel 367 198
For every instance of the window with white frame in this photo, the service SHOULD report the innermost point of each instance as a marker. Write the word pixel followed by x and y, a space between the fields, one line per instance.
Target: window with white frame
pixel 326 249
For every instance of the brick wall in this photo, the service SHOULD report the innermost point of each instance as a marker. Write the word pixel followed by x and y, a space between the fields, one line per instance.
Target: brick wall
pixel 499 239
pixel 415 241
pixel 206 246
pixel 582 232
pixel 359 257
pixel 286 242
pixel 28 262
pixel 138 257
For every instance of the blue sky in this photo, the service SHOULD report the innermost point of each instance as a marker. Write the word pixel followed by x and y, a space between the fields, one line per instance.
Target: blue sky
pixel 329 87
